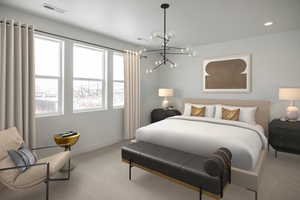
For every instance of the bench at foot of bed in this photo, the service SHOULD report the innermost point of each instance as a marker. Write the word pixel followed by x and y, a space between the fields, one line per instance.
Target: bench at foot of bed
pixel 184 168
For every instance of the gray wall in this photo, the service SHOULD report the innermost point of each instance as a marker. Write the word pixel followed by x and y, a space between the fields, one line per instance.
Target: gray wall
pixel 275 64
pixel 99 128
pixel 149 90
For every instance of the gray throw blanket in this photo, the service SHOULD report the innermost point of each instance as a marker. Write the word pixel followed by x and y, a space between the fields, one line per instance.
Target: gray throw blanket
pixel 218 162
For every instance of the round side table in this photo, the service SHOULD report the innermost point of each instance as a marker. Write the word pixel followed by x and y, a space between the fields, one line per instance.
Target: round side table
pixel 66 143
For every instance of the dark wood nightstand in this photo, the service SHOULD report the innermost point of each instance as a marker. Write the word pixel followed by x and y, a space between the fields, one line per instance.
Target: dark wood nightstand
pixel 284 136
pixel 160 114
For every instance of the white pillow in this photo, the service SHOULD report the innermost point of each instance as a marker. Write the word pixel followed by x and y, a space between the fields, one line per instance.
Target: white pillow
pixel 247 114
pixel 209 111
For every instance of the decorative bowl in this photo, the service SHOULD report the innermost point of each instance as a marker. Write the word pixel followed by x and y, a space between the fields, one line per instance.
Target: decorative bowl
pixel 66 141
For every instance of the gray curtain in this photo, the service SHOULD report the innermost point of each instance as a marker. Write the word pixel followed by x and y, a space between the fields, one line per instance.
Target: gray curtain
pixel 132 94
pixel 17 83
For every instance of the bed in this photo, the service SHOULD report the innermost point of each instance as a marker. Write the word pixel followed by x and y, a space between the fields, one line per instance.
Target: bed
pixel 202 136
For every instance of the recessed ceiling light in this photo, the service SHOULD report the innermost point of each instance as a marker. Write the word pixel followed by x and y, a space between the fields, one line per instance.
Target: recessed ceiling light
pixel 268 24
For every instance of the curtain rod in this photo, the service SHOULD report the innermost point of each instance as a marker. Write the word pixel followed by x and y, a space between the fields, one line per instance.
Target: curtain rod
pixel 74 39
pixel 82 41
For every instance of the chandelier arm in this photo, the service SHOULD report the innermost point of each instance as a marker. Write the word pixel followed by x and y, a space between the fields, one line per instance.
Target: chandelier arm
pixel 156 67
pixel 162 38
pixel 152 50
pixel 177 53
pixel 170 61
pixel 161 54
pixel 179 48
pixel 151 54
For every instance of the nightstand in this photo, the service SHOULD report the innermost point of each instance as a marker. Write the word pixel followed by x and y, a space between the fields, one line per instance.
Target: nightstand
pixel 160 114
pixel 284 136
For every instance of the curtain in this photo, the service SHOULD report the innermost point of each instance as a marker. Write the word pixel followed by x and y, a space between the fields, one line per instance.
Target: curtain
pixel 132 94
pixel 17 86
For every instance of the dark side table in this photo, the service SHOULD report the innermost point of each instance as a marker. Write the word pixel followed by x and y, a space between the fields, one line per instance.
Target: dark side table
pixel 284 136
pixel 161 114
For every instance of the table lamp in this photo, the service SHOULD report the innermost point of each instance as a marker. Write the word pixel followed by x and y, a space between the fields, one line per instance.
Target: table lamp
pixel 291 94
pixel 164 92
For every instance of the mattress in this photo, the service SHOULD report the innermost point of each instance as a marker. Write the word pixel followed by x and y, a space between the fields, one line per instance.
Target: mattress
pixel 202 136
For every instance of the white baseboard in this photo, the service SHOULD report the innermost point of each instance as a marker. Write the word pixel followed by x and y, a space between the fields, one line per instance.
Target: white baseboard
pixel 89 148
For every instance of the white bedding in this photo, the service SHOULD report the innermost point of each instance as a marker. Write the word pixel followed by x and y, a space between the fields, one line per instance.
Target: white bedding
pixel 203 136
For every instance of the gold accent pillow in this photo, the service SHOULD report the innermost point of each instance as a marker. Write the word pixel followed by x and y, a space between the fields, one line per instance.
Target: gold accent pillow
pixel 198 112
pixel 230 114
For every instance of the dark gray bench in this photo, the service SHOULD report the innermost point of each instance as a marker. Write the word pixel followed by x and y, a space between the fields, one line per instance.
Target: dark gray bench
pixel 181 167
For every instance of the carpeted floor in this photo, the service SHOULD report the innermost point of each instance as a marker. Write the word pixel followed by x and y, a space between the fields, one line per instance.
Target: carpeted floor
pixel 100 175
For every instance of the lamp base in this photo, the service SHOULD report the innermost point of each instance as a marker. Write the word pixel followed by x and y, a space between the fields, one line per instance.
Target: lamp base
pixel 292 113
pixel 165 103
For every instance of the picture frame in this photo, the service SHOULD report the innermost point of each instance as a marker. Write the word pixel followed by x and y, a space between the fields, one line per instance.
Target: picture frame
pixel 230 74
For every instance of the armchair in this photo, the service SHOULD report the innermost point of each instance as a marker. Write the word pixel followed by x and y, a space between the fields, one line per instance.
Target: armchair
pixel 41 172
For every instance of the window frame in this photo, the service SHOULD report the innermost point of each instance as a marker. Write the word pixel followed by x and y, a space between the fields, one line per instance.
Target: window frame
pixel 117 81
pixel 60 78
pixel 103 79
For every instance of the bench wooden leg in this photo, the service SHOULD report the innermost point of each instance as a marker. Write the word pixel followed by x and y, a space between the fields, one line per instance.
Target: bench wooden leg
pixel 130 166
pixel 221 186
pixel 200 193
pixel 47 181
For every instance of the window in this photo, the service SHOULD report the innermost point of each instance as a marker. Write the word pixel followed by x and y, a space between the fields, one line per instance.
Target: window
pixel 89 90
pixel 48 75
pixel 118 80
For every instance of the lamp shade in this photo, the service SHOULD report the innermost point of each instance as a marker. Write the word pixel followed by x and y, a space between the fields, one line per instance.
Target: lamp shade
pixel 164 92
pixel 289 93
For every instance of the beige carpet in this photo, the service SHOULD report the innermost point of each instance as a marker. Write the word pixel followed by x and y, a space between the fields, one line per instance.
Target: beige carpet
pixel 100 175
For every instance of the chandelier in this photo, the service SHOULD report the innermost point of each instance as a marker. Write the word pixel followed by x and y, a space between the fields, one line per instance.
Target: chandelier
pixel 165 50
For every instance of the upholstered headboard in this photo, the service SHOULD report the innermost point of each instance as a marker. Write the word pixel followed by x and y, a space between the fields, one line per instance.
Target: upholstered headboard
pixel 262 114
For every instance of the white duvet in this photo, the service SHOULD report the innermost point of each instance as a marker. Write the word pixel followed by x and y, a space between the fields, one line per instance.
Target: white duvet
pixel 203 136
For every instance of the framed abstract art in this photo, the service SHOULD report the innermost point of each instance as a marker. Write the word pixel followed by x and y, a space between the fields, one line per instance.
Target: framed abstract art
pixel 227 74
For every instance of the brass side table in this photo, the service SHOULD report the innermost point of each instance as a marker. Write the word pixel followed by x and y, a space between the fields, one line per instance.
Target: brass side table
pixel 67 143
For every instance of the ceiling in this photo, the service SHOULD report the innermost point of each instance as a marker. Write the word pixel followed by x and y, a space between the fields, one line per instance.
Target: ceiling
pixel 194 22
